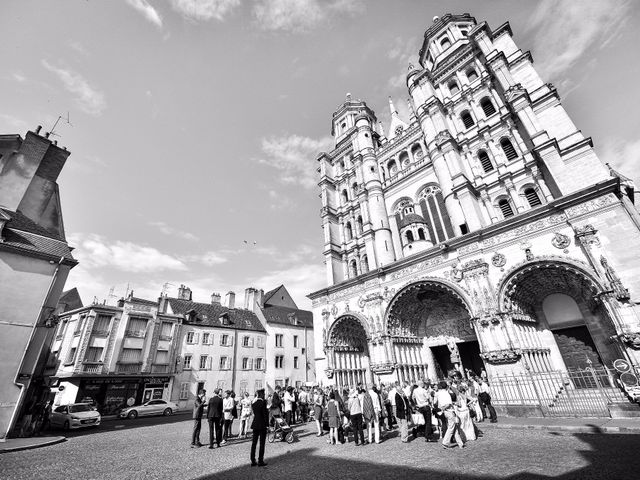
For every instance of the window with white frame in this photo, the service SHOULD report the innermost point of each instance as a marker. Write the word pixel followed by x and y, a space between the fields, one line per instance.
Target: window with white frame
pixel 187 362
pixel 247 341
pixel 279 339
pixel 259 363
pixel 101 324
pixel 93 354
pixel 203 362
pixel 260 342
pixel 258 385
pixel 206 338
pixel 225 363
pixel 247 363
pixel 226 340
pixel 295 341
pixel 184 391
pixel 244 387
pixel 296 363
pixel 279 361
pixel 192 338
pixel 136 327
pixel 79 323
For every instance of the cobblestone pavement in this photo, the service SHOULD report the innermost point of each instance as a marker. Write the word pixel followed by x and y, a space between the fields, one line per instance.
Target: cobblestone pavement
pixel 161 450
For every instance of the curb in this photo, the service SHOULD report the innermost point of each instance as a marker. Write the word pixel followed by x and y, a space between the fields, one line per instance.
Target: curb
pixel 53 441
pixel 568 428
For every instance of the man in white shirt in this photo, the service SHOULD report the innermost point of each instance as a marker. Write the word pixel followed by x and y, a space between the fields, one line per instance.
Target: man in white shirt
pixel 288 404
pixel 423 401
pixel 449 426
pixel 485 397
pixel 392 398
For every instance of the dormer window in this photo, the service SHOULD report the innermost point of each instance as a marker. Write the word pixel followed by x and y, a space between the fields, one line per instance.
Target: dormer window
pixel 224 319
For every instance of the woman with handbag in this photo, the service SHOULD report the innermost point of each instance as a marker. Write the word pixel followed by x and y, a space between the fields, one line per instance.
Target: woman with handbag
pixel 450 421
pixel 462 410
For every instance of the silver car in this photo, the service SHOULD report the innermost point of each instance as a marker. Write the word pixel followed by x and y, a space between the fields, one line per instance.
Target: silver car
pixel 152 407
pixel 75 415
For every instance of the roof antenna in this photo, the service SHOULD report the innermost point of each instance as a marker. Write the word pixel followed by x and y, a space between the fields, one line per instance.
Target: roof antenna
pixel 60 117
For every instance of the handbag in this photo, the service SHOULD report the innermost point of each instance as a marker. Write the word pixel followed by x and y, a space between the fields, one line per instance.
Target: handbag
pixel 417 419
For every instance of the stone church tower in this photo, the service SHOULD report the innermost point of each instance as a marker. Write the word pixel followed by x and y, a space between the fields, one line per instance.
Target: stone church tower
pixel 480 233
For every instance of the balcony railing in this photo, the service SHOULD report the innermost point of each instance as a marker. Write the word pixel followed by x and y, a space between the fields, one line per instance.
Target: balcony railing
pixel 160 368
pixel 134 333
pixel 129 367
pixel 92 367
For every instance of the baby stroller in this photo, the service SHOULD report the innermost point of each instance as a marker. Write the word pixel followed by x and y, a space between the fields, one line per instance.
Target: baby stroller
pixel 281 431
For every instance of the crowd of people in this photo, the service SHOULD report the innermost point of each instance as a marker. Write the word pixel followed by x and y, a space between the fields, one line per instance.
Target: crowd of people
pixel 448 410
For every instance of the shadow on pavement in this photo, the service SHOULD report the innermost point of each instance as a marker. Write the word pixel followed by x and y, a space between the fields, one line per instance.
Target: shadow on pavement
pixel 307 463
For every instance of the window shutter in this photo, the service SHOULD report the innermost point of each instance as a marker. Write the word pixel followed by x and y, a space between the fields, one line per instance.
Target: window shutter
pixel 250 366
pixel 532 197
pixel 230 343
pixel 506 209
pixel 196 338
pixel 209 362
pixel 251 342
pixel 507 148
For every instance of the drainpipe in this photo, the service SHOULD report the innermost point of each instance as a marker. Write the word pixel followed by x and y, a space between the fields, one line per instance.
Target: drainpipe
pixel 16 411
pixel 235 363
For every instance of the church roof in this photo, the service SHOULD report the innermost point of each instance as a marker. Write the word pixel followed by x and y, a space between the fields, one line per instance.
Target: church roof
pixel 410 219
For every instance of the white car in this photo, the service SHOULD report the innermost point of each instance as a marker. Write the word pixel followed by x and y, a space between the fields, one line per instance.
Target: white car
pixel 152 407
pixel 75 415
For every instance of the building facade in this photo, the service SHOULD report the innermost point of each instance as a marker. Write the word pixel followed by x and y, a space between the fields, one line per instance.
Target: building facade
pixel 35 261
pixel 480 233
pixel 221 346
pixel 114 356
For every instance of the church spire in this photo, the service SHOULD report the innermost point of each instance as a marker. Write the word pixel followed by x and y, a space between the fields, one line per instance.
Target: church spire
pixel 392 107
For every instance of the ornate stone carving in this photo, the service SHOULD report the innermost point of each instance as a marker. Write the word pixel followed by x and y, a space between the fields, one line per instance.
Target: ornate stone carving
pixel 591 205
pixel 334 310
pixel 502 356
pixel 514 92
pixel 631 339
pixel 417 268
pixel 560 241
pixel 587 235
pixel 475 268
pixel 453 350
pixel 328 372
pixel 382 368
pixel 498 260
pixel 443 137
pixel 456 273
pixel 615 283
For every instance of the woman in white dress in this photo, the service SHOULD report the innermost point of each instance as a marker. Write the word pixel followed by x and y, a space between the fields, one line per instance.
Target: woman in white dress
pixel 462 410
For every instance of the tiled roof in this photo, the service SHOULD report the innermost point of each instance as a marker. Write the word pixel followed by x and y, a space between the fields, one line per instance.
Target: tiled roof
pixel 36 244
pixel 142 301
pixel 271 293
pixel 284 315
pixel 70 299
pixel 21 222
pixel 209 315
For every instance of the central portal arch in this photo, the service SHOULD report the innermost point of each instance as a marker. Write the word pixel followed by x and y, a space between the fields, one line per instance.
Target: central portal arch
pixel 430 324
pixel 348 352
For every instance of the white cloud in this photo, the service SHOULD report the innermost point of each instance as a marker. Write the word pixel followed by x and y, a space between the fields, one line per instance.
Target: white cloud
pixel 150 13
pixel 88 99
pixel 77 46
pixel 168 230
pixel 299 16
pixel 18 77
pixel 209 258
pixel 300 280
pixel 295 157
pixel 13 123
pixel 565 31
pixel 624 157
pixel 95 251
pixel 204 10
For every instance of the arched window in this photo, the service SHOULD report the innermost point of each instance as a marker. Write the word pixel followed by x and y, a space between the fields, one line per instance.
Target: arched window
pixel 345 197
pixel 445 43
pixel 485 161
pixel 532 197
pixel 353 269
pixel 409 236
pixel 364 264
pixel 348 231
pixel 487 107
pixel 421 234
pixel 472 74
pixel 354 188
pixel 453 87
pixel 408 209
pixel 505 207
pixel 416 151
pixel 467 119
pixel 392 167
pixel 360 224
pixel 507 148
pixel 404 160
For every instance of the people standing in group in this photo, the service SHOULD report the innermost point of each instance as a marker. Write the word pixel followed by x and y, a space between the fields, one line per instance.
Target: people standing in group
pixel 449 418
pixel 392 402
pixel 355 413
pixel 386 405
pixel 215 417
pixel 228 405
pixel 318 406
pixel 294 407
pixel 275 409
pixel 485 396
pixel 259 426
pixel 422 399
pixel 245 413
pixel 198 409
pixel 462 411
pixel 373 425
pixel 402 413
pixel 303 402
pixel 288 405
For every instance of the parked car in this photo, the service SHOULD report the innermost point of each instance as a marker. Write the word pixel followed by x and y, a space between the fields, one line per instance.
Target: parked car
pixel 75 415
pixel 152 407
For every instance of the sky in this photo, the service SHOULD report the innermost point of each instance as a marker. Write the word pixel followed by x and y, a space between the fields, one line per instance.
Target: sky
pixel 194 125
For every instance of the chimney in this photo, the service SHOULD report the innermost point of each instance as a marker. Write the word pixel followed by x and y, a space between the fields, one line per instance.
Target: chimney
pixel 230 300
pixel 184 293
pixel 250 298
pixel 215 298
pixel 38 128
pixel 162 303
pixel 260 298
pixel 121 303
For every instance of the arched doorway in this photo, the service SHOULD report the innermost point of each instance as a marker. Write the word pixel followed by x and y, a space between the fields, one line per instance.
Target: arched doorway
pixel 562 298
pixel 348 352
pixel 430 324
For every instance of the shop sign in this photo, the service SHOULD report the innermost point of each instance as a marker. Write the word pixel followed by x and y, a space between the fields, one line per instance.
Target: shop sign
pixel 157 380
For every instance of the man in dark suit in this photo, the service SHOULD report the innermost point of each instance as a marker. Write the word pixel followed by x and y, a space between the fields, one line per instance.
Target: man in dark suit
pixel 198 407
pixel 214 416
pixel 259 426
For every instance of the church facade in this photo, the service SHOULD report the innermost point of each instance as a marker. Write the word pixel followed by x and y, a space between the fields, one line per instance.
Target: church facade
pixel 480 233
